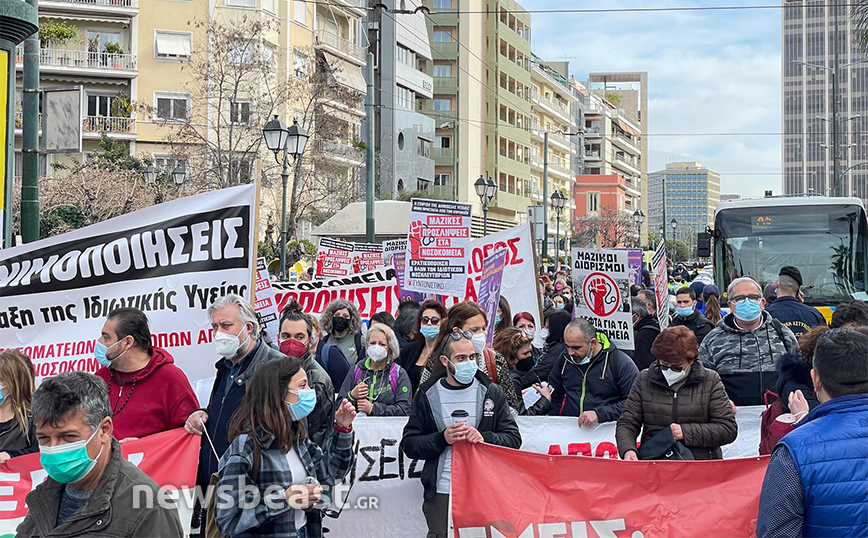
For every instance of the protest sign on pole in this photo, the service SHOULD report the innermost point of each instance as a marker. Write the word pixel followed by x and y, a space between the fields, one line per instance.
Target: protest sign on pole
pixel 170 260
pixel 334 258
pixel 367 257
pixel 634 261
pixel 398 260
pixel 438 245
pixel 601 279
pixel 489 288
pixel 661 284
pixel 391 247
pixel 263 302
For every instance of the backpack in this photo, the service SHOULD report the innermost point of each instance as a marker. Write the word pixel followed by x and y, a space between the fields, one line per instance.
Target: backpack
pixel 211 529
pixel 393 376
pixel 771 429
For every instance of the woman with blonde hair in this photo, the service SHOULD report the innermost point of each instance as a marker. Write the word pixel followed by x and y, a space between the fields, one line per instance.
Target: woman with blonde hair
pixel 17 434
pixel 377 385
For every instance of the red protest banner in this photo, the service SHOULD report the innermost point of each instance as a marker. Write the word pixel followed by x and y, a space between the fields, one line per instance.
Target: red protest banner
pixel 520 494
pixel 170 458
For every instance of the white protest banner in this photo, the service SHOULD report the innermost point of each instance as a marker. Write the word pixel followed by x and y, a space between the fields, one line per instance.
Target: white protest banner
pixel 661 284
pixel 263 301
pixel 386 499
pixel 391 247
pixel 334 258
pixel 371 292
pixel 170 260
pixel 438 244
pixel 601 279
pixel 367 257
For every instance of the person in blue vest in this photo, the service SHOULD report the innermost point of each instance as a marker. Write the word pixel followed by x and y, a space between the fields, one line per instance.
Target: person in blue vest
pixel 799 317
pixel 816 483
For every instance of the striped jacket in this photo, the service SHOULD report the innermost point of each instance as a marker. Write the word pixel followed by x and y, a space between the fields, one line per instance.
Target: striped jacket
pixel 275 517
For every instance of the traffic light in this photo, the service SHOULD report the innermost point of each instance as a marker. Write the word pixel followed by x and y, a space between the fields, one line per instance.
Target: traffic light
pixel 561 243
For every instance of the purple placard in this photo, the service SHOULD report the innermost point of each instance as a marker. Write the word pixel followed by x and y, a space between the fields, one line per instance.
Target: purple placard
pixel 634 262
pixel 398 260
pixel 489 287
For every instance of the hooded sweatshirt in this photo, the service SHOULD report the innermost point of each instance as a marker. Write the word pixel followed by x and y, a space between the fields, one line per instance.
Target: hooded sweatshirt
pixel 747 360
pixel 151 400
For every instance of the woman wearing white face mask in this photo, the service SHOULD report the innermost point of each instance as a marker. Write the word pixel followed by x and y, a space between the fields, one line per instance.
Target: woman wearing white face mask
pixel 469 317
pixel 679 394
pixel 377 385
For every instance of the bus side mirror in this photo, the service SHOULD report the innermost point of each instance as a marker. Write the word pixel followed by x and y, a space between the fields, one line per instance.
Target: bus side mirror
pixel 703 245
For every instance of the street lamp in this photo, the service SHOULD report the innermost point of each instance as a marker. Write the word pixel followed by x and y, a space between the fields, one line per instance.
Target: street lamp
pixel 638 218
pixel 151 174
pixel 292 141
pixel 179 174
pixel 486 190
pixel 559 201
pixel 674 224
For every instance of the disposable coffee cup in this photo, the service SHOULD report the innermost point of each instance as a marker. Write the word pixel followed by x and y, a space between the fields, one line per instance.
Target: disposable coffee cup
pixel 459 415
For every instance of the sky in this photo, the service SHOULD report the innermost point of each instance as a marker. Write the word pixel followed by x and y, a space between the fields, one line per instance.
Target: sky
pixel 709 72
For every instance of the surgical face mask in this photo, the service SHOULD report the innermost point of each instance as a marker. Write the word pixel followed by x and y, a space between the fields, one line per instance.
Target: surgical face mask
pixel 100 351
pixel 340 324
pixel 559 306
pixel 430 332
pixel 227 346
pixel 2 395
pixel 68 463
pixel 305 404
pixel 672 376
pixel 465 371
pixel 529 333
pixel 377 353
pixel 684 311
pixel 544 333
pixel 479 342
pixel 748 310
pixel 497 319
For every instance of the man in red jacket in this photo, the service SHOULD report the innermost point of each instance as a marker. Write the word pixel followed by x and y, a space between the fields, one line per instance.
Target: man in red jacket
pixel 147 392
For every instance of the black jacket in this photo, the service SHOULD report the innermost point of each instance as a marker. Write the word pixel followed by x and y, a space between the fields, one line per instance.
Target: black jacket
pixel 602 385
pixel 320 421
pixel 423 435
pixel 543 368
pixel 335 364
pixel 795 374
pixel 644 333
pixel 696 322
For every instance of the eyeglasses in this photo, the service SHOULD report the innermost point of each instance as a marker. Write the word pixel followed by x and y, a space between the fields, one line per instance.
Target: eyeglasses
pixel 430 321
pixel 673 368
pixel 741 298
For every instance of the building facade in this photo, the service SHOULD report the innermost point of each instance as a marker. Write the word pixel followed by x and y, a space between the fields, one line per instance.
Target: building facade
pixel 809 29
pixel 689 192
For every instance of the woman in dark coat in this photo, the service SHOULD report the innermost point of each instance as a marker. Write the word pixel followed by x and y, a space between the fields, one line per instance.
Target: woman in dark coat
pixel 554 323
pixel 677 392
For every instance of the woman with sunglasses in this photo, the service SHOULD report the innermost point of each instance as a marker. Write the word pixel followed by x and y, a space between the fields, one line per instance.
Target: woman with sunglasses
pixel 677 393
pixel 416 355
pixel 271 452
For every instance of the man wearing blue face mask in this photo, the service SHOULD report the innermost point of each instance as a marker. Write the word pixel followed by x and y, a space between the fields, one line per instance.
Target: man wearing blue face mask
pixel 237 341
pixel 745 346
pixel 458 403
pixel 91 489
pixel 687 314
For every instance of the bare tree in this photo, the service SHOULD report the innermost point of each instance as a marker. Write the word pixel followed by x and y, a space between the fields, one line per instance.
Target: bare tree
pixel 611 226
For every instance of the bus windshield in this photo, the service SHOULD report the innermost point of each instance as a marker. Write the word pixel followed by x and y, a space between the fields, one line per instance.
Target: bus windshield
pixel 826 243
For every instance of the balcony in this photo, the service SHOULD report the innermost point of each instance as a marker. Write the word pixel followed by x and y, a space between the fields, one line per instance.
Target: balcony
pixel 83 63
pixel 592 155
pixel 339 152
pixel 445 84
pixel 444 17
pixel 446 49
pixel 339 46
pixel 627 143
pixel 511 202
pixel 553 107
pixel 627 163
pixel 442 156
pixel 114 8
pixel 117 127
pixel 442 192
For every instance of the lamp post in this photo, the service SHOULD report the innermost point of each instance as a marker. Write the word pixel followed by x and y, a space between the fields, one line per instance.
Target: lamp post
pixel 638 218
pixel 151 174
pixel 292 141
pixel 674 224
pixel 486 190
pixel 559 201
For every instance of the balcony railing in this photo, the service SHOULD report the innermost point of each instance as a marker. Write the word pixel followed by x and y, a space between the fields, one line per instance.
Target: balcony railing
pixel 357 4
pixel 325 37
pixel 549 103
pixel 592 154
pixel 83 58
pixel 104 124
pixel 341 150
pixel 443 84
pixel 114 3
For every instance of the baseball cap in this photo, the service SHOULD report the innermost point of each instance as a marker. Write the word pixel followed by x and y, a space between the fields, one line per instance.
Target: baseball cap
pixel 792 272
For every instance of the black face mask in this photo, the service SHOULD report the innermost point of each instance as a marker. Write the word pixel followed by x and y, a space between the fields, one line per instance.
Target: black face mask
pixel 340 324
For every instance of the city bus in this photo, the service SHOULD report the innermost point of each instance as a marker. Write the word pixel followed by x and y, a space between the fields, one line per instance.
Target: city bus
pixel 826 238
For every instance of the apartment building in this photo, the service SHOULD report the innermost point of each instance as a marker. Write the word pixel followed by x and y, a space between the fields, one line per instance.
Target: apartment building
pixel 689 192
pixel 809 31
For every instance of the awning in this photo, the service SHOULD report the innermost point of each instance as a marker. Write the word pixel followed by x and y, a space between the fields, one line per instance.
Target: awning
pixel 627 127
pixel 173 44
pixel 346 74
pixel 90 18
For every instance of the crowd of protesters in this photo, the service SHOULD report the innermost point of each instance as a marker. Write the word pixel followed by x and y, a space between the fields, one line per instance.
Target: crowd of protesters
pixel 280 414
